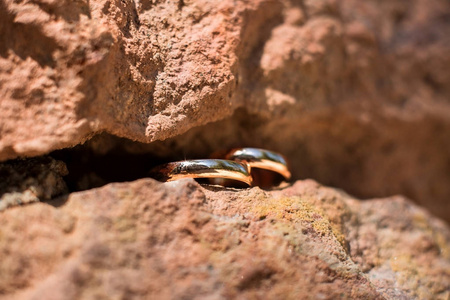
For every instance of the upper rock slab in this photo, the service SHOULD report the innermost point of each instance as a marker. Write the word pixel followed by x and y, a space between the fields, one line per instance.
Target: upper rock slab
pixel 149 70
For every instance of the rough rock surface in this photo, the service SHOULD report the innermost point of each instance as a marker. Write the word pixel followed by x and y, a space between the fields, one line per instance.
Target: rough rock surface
pixel 182 241
pixel 31 180
pixel 149 70
pixel 356 94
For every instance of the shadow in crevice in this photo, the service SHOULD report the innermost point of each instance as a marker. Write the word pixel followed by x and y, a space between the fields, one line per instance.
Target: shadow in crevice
pixel 333 147
pixel 107 158
pixel 90 169
pixel 58 201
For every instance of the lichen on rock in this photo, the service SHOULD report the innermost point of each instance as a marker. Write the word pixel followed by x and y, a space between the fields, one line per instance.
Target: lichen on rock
pixel 182 240
pixel 354 93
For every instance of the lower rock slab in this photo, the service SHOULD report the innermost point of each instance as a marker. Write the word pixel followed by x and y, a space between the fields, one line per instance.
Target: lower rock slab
pixel 180 240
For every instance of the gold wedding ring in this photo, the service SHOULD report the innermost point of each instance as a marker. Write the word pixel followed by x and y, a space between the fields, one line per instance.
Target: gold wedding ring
pixel 203 168
pixel 251 166
pixel 261 159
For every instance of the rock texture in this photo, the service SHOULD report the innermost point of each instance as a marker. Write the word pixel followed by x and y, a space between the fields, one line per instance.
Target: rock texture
pixel 140 70
pixel 149 70
pixel 179 240
pixel 31 180
pixel 355 94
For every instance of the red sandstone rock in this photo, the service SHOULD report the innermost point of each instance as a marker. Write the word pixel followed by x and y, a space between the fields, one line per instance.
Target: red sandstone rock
pixel 354 93
pixel 178 240
pixel 139 70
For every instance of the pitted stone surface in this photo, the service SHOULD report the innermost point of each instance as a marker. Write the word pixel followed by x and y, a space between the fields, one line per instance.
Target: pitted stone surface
pixel 178 240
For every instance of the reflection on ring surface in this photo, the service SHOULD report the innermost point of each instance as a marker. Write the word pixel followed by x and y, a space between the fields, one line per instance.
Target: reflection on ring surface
pixel 261 158
pixel 203 168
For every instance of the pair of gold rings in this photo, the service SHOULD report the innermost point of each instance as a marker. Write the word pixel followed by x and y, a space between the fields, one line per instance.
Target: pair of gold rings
pixel 251 166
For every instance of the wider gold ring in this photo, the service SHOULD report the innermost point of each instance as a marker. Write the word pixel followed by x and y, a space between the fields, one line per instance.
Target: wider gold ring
pixel 262 159
pixel 203 168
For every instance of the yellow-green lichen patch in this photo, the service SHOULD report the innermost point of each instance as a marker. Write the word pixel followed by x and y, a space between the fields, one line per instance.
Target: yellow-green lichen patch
pixel 422 222
pixel 410 273
pixel 295 209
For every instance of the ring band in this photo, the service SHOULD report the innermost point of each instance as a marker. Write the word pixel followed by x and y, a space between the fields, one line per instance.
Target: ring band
pixel 262 159
pixel 203 168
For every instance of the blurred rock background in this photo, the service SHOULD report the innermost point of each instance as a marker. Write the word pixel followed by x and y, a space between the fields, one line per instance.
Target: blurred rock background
pixel 356 94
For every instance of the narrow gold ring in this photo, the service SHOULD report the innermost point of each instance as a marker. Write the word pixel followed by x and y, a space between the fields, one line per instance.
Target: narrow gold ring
pixel 203 168
pixel 262 159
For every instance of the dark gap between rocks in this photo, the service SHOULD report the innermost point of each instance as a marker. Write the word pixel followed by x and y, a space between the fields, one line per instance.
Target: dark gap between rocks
pixel 89 169
pixel 368 160
pixel 106 158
